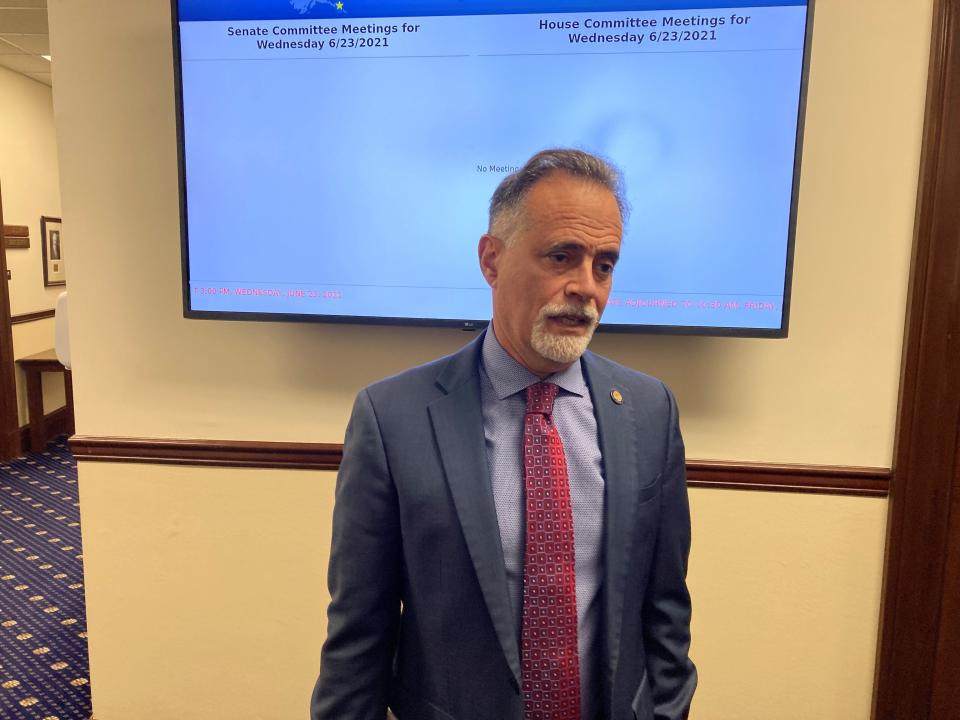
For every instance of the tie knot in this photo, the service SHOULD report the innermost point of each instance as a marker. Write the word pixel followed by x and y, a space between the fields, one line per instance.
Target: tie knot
pixel 540 397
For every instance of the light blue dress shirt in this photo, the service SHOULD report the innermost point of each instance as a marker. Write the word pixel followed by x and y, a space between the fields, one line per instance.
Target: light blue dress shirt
pixel 502 384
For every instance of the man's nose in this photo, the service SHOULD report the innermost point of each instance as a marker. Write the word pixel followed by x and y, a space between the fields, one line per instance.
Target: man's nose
pixel 582 284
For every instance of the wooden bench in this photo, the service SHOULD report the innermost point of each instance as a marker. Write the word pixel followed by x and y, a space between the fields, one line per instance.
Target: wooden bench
pixel 33 367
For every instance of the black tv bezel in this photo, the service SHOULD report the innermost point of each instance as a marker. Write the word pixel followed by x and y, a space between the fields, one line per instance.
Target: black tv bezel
pixel 462 324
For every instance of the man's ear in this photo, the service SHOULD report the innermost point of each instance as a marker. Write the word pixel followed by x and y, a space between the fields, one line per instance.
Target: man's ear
pixel 489 252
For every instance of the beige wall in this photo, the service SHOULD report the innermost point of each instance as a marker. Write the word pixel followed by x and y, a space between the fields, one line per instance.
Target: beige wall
pixel 205 590
pixel 827 394
pixel 786 587
pixel 786 592
pixel 29 182
pixel 205 596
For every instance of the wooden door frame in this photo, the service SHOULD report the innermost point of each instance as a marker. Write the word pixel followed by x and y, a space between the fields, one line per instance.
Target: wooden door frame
pixel 918 659
pixel 9 420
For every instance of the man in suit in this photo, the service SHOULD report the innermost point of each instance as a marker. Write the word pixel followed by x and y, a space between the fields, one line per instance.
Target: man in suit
pixel 511 528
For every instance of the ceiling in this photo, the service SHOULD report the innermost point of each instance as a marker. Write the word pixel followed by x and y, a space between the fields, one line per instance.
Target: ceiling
pixel 24 38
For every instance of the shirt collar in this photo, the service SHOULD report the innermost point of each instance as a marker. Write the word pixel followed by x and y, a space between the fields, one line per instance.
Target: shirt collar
pixel 509 377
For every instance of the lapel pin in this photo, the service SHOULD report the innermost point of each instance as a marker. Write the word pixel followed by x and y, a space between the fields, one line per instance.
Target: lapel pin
pixel 616 397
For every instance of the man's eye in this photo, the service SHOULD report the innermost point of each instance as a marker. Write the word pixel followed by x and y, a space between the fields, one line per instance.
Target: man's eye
pixel 558 258
pixel 605 268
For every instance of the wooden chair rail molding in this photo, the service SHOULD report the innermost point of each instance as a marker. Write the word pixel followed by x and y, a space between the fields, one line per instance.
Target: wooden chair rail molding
pixel 218 453
pixel 31 317
pixel 834 480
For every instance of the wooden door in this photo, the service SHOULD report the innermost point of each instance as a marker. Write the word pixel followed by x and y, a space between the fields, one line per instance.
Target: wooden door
pixel 918 663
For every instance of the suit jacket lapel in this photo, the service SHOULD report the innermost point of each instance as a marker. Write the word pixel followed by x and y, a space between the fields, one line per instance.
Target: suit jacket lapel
pixel 616 427
pixel 458 425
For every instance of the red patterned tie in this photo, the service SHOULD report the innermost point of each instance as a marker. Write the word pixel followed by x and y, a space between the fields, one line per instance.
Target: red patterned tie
pixel 550 664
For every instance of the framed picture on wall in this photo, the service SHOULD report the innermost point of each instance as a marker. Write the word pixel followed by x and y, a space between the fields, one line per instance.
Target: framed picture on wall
pixel 51 237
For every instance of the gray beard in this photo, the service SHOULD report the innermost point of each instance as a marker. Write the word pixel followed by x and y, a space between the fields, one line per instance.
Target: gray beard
pixel 564 349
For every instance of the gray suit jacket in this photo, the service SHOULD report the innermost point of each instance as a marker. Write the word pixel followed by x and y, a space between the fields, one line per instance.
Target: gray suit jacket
pixel 420 617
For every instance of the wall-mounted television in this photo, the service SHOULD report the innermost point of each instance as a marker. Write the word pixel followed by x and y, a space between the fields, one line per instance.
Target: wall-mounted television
pixel 337 156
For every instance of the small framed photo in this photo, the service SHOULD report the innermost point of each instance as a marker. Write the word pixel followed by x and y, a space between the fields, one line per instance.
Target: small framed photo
pixel 54 272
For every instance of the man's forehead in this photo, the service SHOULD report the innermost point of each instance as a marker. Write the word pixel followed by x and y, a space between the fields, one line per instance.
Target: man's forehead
pixel 560 195
pixel 576 207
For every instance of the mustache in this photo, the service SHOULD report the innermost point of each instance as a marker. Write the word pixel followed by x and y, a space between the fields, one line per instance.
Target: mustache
pixel 583 312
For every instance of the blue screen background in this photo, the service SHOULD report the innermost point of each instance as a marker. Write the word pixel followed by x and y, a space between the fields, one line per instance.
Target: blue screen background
pixel 360 180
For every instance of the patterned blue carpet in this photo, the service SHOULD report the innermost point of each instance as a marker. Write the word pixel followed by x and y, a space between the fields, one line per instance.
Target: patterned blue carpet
pixel 44 669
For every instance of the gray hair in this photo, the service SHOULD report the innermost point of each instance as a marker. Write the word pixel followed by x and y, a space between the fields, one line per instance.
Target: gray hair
pixel 506 205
